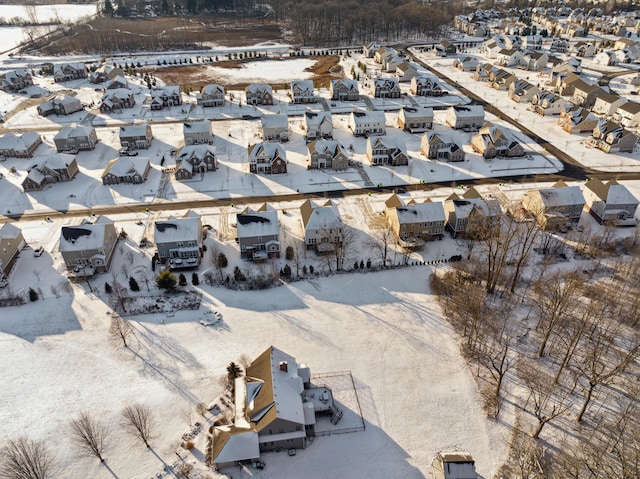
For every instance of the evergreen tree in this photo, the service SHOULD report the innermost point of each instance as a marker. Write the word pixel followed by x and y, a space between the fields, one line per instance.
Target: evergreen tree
pixel 107 288
pixel 182 280
pixel 133 284
pixel 166 280
pixel 33 296
pixel 108 8
pixel 194 279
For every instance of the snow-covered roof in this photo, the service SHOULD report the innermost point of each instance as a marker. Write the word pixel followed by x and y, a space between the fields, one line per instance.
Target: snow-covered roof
pixel 133 131
pixel 315 118
pixel 125 165
pixel 315 217
pixel 197 127
pixel 611 192
pixel 257 223
pixel 421 213
pixel 276 120
pixel 86 236
pixel 9 231
pixel 10 141
pixel 196 151
pixel 178 229
pixel 56 161
pixel 232 444
pixel 74 132
pixel 468 111
pixel 562 196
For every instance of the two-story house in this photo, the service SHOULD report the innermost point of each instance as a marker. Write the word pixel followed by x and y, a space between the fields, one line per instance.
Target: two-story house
pixel 211 95
pixel 493 141
pixel 470 214
pixel 126 169
pixel 416 223
pixel 322 225
pixel 607 104
pixel 259 94
pixel 15 80
pixel 466 64
pixel 327 154
pixel 318 124
pixel 577 119
pixel 88 248
pixel 117 99
pixel 165 97
pixel 522 91
pixel 386 151
pixel 406 71
pixel 469 117
pixel 23 146
pixel 611 137
pixel 11 242
pixel 54 168
pixel 555 207
pixel 69 71
pixel 302 91
pixel 628 114
pixel 585 94
pixel 275 127
pixel 415 119
pixel 179 241
pixel 76 138
pixel 547 103
pixel 344 90
pixel 117 82
pixel 426 85
pixel 385 88
pixel 60 105
pixel 197 132
pixel 104 73
pixel 441 146
pixel 136 136
pixel 267 159
pixel 610 202
pixel 367 122
pixel 193 159
pixel 258 234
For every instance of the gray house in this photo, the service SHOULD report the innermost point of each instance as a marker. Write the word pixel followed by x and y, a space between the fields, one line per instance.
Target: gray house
pixel 76 138
pixel 21 146
pixel 211 95
pixel 318 124
pixel 179 241
pixel 136 136
pixel 610 202
pixel 194 159
pixel 327 154
pixel 63 105
pixel 275 127
pixel 88 247
pixel 344 90
pixel 197 132
pixel 125 169
pixel 258 234
pixel 259 94
pixel 54 168
pixel 302 91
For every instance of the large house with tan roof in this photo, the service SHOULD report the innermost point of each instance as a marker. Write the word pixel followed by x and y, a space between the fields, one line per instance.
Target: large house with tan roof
pixel 610 202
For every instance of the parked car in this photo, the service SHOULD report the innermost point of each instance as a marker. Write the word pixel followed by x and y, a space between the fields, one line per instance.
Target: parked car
pixel 128 152
pixel 38 251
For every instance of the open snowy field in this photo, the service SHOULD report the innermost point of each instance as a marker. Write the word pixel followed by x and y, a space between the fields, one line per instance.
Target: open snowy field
pixel 416 393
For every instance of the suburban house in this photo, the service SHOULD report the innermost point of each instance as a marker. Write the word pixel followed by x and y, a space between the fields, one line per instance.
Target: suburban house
pixel 275 127
pixel 490 48
pixel 415 119
pixel 502 80
pixel 322 225
pixel 416 223
pixel 166 96
pixel 259 94
pixel 607 104
pixel 577 119
pixel 118 82
pixel 126 169
pixel 509 57
pixel 54 168
pixel 547 103
pixel 23 146
pixel 318 124
pixel 554 207
pixel 267 159
pixel 493 141
pixel 117 99
pixel 367 122
pixel 470 213
pixel 484 72
pixel 533 61
pixel 194 159
pixel 610 202
pixel 69 71
pixel 369 49
pixel 406 71
pixel 559 45
pixel 628 114
pixel 179 241
pixel 383 53
pixel 62 105
pixel 327 154
pixel 104 73
pixel 453 465
pixel 466 64
pixel 584 49
pixel 344 90
pixel 211 95
pixel 136 136
pixel 88 248
pixel 197 132
pixel 15 80
pixel 441 146
pixel 385 88
pixel 611 137
pixel 522 91
pixel 275 408
pixel 76 138
pixel 572 65
pixel 11 242
pixel 426 85
pixel 386 151
pixel 258 233
pixel 532 42
pixel 447 48
pixel 585 94
pixel 465 117
pixel 302 91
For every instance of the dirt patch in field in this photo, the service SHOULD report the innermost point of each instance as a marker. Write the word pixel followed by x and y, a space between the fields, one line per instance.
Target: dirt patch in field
pixel 325 69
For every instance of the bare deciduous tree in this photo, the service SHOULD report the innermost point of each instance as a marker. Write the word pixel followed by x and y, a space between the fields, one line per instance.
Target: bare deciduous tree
pixel 119 329
pixel 547 400
pixel 89 435
pixel 24 458
pixel 382 240
pixel 137 420
pixel 118 297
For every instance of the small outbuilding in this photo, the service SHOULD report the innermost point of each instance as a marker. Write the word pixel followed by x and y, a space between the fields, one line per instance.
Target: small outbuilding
pixel 453 465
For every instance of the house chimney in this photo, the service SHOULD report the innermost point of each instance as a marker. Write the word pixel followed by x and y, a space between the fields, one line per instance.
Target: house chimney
pixel 283 366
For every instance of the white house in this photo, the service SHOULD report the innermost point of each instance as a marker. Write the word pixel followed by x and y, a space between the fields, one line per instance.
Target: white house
pixel 367 122
pixel 610 202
